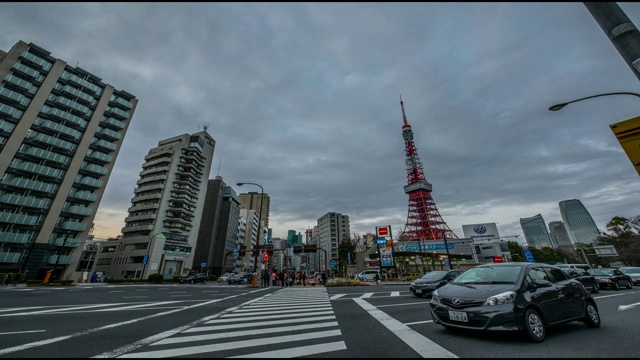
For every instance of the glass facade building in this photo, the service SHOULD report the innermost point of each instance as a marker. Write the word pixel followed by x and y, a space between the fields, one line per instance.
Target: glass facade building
pixel 535 232
pixel 559 233
pixel 61 129
pixel 578 222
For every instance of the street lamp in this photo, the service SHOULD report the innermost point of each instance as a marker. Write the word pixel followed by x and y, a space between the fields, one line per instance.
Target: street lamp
pixel 254 280
pixel 560 106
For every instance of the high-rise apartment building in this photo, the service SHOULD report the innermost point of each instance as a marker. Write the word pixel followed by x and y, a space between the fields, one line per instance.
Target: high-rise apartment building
pixel 161 230
pixel 559 233
pixel 252 201
pixel 218 228
pixel 61 129
pixel 332 228
pixel 250 237
pixel 535 232
pixel 578 222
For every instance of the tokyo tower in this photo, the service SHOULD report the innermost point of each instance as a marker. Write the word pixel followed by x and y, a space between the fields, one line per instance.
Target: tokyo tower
pixel 423 220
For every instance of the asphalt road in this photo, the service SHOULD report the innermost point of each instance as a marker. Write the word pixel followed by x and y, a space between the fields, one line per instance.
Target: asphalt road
pixel 219 320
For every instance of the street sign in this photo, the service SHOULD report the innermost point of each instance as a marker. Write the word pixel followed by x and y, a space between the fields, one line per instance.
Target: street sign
pixel 145 260
pixel 203 265
pixel 529 256
pixel 235 250
pixel 381 241
pixel 332 264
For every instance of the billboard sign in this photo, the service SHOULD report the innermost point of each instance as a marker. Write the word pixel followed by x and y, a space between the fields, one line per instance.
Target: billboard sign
pixel 383 231
pixel 481 232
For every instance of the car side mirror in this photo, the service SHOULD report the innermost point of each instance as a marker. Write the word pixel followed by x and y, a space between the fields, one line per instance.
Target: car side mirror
pixel 543 283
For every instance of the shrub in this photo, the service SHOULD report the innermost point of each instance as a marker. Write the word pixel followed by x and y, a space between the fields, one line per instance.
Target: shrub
pixel 212 277
pixel 155 278
pixel 174 279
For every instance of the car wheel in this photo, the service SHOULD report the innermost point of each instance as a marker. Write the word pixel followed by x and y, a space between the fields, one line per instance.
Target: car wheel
pixel 616 286
pixel 535 326
pixel 629 285
pixel 596 288
pixel 193 282
pixel 591 316
pixel 417 295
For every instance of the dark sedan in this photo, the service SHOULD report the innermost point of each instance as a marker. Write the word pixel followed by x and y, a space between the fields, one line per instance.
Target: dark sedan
pixel 589 281
pixel 633 272
pixel 527 297
pixel 611 278
pixel 192 279
pixel 431 281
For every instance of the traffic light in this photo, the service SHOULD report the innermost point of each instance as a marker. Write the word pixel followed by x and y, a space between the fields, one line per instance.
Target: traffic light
pixel 265 257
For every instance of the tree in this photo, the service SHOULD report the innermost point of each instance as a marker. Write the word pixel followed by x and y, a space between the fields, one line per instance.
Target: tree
pixel 516 251
pixel 622 237
pixel 620 227
pixel 346 246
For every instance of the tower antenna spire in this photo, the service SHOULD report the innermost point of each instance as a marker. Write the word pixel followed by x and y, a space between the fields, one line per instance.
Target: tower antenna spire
pixel 404 116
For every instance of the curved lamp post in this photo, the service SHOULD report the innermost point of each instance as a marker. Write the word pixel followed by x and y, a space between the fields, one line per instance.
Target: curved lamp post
pixel 625 131
pixel 560 106
pixel 158 235
pixel 254 280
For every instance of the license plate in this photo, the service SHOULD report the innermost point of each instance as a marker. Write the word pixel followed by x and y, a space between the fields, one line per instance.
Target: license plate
pixel 458 316
pixel 418 291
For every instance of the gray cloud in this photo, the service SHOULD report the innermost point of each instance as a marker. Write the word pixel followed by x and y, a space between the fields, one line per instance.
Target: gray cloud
pixel 303 99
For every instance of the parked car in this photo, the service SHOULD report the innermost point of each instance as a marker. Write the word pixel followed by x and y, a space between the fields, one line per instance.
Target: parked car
pixel 239 278
pixel 368 275
pixel 225 276
pixel 574 266
pixel 519 296
pixel 431 281
pixel 192 279
pixel 633 272
pixel 589 281
pixel 611 278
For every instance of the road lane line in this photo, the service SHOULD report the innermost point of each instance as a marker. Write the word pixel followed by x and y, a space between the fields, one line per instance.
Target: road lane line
pixel 265 317
pixel 279 308
pixel 419 322
pixel 405 304
pixel 366 295
pixel 116 291
pixel 232 334
pixel 72 308
pixel 395 293
pixel 21 332
pixel 151 339
pixel 627 307
pixel 298 351
pixel 134 297
pixel 291 312
pixel 110 326
pixel 138 306
pixel 606 296
pixel 422 345
pixel 259 323
pixel 191 350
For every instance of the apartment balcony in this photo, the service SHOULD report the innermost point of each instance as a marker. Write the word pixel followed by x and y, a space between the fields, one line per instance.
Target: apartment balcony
pixel 67 242
pixel 9 257
pixel 113 123
pixel 39 169
pixel 153 170
pixel 21 200
pixel 151 179
pixel 16 238
pixel 21 219
pixel 84 195
pixel 79 210
pixel 100 156
pixel 146 197
pixel 60 259
pixel 104 144
pixel 91 182
pixel 137 228
pixel 149 187
pixel 93 168
pixel 141 217
pixel 73 226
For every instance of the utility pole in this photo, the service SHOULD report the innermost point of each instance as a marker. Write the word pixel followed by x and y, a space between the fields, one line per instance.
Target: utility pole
pixel 620 30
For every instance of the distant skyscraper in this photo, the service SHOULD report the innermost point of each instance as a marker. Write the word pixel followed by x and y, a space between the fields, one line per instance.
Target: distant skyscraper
pixel 61 130
pixel 251 201
pixel 332 227
pixel 559 233
pixel 578 222
pixel 165 211
pixel 535 232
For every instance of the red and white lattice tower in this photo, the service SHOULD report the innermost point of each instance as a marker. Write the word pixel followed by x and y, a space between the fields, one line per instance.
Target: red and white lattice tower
pixel 423 220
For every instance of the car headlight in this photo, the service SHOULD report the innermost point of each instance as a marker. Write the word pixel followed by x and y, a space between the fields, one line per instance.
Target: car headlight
pixel 503 298
pixel 434 296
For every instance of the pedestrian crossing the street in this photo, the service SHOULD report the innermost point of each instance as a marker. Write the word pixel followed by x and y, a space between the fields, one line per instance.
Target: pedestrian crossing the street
pixel 292 322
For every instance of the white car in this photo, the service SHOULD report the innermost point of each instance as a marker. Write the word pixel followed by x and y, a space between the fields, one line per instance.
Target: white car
pixel 367 275
pixel 225 276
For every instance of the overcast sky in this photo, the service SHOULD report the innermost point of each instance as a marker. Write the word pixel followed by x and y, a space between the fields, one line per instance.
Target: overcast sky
pixel 303 99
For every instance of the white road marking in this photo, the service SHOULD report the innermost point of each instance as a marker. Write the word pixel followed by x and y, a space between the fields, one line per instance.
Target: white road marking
pixel 338 296
pixel 116 291
pixel 422 345
pixel 232 334
pixel 259 323
pixel 627 307
pixel 134 297
pixel 298 351
pixel 60 310
pixel 23 308
pixel 395 293
pixel 265 317
pixel 137 306
pixel 405 304
pixel 606 296
pixel 419 322
pixel 279 308
pixel 366 295
pixel 279 312
pixel 22 332
pixel 191 350
pixel 110 326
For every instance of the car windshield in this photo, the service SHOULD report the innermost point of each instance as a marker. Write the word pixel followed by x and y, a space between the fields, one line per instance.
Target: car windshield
pixel 490 275
pixel 434 275
pixel 602 272
pixel 635 270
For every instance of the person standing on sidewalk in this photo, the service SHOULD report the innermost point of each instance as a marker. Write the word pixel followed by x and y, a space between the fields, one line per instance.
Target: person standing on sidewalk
pixel 304 279
pixel 274 278
pixel 323 276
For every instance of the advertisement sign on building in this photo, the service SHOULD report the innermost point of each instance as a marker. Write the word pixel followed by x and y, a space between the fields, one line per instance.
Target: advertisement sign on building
pixel 383 231
pixel 481 232
pixel 386 258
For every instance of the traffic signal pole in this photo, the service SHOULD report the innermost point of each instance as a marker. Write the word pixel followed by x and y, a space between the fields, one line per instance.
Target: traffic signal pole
pixel 620 30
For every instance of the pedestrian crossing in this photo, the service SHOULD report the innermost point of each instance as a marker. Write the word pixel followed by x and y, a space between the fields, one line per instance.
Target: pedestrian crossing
pixel 292 322
pixel 86 308
pixel 367 295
